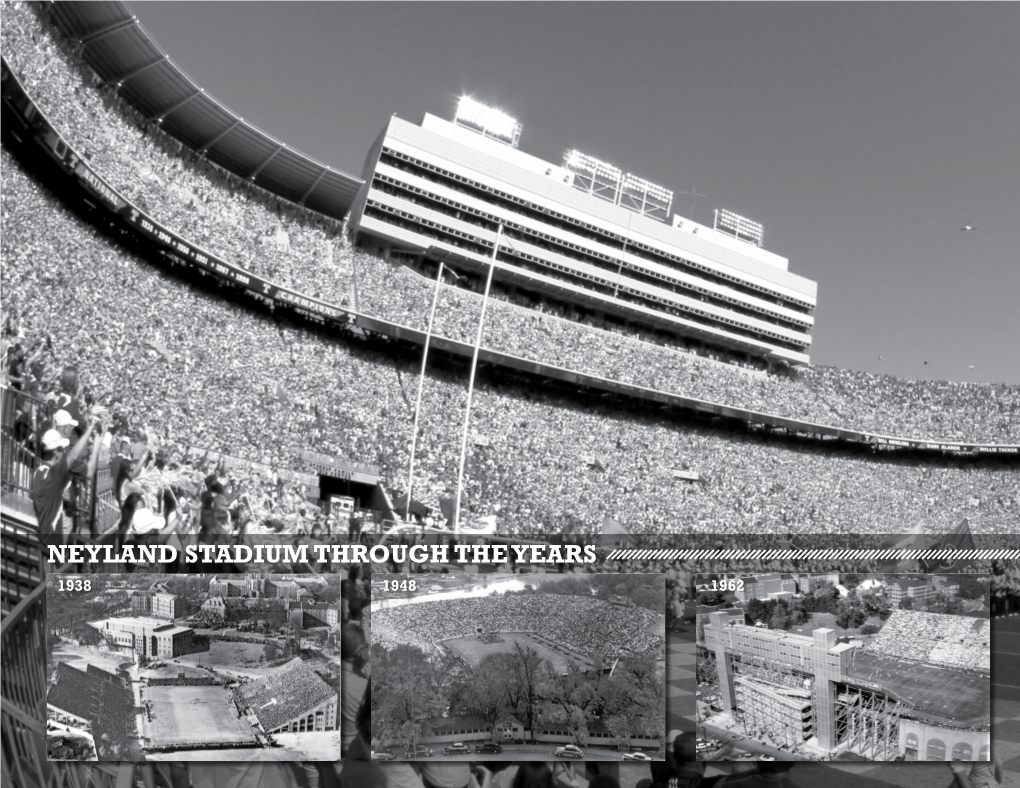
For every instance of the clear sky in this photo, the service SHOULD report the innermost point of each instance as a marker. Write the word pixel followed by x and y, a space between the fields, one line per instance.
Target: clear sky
pixel 863 136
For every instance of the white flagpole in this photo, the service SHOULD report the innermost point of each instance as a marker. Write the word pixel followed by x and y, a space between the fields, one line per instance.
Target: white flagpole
pixel 471 382
pixel 421 384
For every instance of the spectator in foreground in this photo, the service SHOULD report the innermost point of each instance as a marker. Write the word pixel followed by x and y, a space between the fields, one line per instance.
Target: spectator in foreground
pixel 52 477
pixel 980 774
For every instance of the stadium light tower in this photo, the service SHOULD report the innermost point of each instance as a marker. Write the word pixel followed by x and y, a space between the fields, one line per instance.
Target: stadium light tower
pixel 471 382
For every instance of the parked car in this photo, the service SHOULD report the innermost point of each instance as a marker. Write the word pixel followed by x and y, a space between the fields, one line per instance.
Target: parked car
pixel 382 756
pixel 568 751
pixel 459 748
pixel 636 756
pixel 489 747
pixel 766 758
pixel 421 751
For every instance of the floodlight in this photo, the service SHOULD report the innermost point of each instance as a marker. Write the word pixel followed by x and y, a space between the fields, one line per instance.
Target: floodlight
pixel 489 121
pixel 645 197
pixel 738 226
pixel 583 164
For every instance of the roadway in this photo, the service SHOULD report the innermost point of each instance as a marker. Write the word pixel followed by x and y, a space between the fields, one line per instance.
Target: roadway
pixel 735 745
pixel 524 752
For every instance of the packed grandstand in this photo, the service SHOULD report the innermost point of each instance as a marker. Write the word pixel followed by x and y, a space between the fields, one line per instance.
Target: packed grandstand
pixel 959 642
pixel 251 384
pixel 586 625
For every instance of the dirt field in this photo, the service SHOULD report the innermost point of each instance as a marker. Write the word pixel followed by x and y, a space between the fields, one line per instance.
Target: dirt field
pixel 194 714
pixel 239 658
pixel 78 656
pixel 474 650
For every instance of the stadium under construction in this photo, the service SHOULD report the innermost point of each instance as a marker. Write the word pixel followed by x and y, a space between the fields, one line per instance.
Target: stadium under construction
pixel 834 699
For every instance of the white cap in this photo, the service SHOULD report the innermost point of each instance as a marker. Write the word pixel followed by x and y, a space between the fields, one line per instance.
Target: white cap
pixel 53 440
pixel 146 521
pixel 63 419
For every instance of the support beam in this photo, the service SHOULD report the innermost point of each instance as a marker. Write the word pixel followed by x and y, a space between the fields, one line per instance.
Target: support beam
pixel 269 158
pixel 109 30
pixel 160 114
pixel 221 135
pixel 312 187
pixel 121 78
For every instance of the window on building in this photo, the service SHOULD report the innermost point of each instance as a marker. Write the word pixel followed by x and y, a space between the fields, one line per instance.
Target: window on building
pixel 962 752
pixel 936 750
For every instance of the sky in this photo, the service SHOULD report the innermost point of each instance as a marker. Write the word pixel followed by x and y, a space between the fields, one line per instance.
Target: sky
pixel 863 136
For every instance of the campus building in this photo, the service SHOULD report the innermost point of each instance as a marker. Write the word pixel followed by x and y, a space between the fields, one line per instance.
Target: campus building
pixel 915 590
pixel 149 637
pixel 771 586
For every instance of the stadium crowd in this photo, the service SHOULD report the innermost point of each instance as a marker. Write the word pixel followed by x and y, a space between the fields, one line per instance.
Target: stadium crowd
pixel 949 641
pixel 69 287
pixel 283 695
pixel 256 230
pixel 587 626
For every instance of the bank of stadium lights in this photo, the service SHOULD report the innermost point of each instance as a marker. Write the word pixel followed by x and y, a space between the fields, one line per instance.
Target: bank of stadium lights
pixel 645 197
pixel 593 176
pixel 487 121
pixel 738 226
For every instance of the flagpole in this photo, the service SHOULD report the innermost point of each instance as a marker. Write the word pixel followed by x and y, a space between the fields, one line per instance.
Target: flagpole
pixel 421 385
pixel 471 382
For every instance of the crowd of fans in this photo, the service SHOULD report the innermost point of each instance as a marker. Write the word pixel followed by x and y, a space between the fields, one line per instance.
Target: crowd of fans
pixel 283 694
pixel 94 302
pixel 251 386
pixel 935 639
pixel 585 625
pixel 256 230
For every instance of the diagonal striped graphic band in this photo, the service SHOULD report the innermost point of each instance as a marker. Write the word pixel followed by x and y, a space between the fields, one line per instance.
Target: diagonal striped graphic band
pixel 811 555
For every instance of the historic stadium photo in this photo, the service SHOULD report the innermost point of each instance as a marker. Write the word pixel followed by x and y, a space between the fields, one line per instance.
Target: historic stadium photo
pixel 836 666
pixel 525 667
pixel 193 667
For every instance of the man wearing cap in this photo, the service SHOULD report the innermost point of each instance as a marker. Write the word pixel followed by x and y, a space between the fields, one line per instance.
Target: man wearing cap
pixel 52 478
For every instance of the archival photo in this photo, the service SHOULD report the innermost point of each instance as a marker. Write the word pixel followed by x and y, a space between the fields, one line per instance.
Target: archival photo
pixel 843 667
pixel 193 667
pixel 521 667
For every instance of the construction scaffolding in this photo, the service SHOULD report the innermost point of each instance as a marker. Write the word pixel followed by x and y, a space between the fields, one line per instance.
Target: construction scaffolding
pixel 781 713
pixel 706 670
pixel 867 723
pixel 758 667
pixel 773 699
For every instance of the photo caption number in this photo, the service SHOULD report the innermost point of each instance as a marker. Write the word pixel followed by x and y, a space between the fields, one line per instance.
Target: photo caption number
pixel 401 585
pixel 727 585
pixel 74 585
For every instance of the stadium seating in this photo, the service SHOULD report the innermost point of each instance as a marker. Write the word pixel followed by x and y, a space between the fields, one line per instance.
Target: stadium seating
pixel 296 248
pixel 585 625
pixel 935 639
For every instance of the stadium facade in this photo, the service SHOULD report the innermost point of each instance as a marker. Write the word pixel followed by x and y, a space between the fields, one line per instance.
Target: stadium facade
pixel 290 699
pixel 798 690
pixel 574 234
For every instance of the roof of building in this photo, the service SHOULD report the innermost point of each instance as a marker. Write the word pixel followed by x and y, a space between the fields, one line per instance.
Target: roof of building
pixel 905 584
pixel 122 53
pixel 284 694
pixel 171 630
pixel 447 725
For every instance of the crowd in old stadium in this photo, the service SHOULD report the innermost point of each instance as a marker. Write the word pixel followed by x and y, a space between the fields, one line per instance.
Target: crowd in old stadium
pixel 587 626
pixel 935 639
